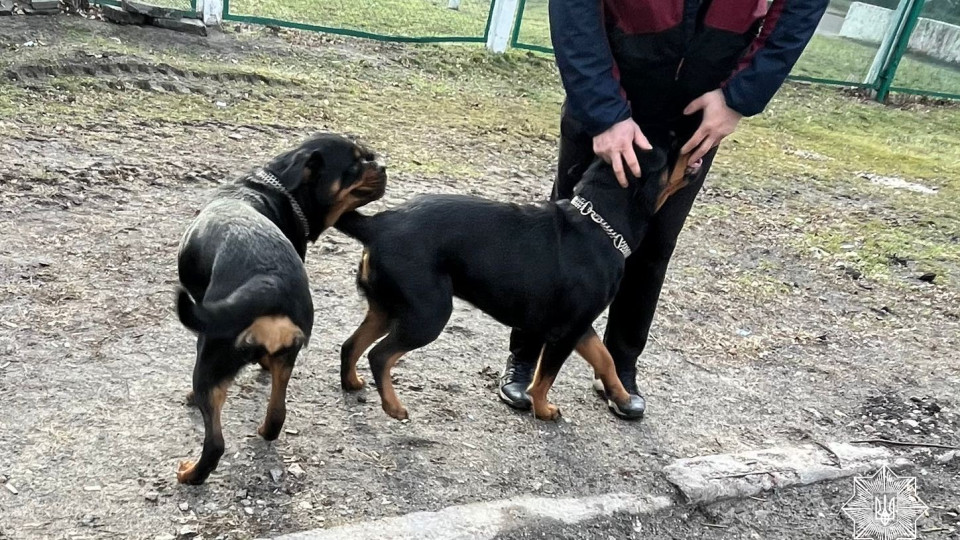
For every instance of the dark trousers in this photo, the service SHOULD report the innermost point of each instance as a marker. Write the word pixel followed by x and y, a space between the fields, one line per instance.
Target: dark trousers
pixel 631 312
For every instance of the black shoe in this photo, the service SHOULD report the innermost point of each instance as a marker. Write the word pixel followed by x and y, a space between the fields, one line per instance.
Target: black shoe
pixel 514 381
pixel 632 410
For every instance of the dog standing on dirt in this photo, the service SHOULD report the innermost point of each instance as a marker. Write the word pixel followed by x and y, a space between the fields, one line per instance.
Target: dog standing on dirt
pixel 549 269
pixel 244 289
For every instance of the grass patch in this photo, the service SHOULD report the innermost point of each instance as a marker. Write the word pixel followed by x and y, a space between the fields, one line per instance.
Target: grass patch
pixel 411 18
pixel 457 111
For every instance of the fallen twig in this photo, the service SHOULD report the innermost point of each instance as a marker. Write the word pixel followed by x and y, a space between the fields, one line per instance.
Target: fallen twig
pixel 741 475
pixel 839 462
pixel 905 443
pixel 694 364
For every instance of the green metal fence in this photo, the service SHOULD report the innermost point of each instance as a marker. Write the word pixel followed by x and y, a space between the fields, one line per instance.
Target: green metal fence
pixel 892 59
pixel 890 45
pixel 410 21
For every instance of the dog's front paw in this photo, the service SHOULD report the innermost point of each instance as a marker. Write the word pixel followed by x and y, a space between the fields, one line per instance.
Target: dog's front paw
pixel 547 411
pixel 399 412
pixel 352 384
pixel 187 472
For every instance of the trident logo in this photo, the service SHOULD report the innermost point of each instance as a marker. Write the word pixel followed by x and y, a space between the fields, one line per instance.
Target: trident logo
pixel 885 508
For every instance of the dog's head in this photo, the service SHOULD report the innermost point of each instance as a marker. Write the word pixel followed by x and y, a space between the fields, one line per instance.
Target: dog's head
pixel 660 178
pixel 330 174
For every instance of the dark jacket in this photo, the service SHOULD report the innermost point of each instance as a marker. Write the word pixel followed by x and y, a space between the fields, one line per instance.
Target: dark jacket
pixel 659 55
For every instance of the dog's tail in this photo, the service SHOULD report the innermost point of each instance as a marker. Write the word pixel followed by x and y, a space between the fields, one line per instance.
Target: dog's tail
pixel 356 225
pixel 228 317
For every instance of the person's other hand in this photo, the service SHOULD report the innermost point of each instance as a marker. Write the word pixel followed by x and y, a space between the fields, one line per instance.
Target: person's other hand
pixel 615 146
pixel 719 120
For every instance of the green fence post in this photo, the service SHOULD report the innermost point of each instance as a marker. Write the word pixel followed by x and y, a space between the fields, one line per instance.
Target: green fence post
pixel 516 23
pixel 887 74
pixel 882 58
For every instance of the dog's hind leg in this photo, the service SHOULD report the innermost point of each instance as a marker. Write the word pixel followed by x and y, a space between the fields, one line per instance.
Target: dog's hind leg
pixel 281 340
pixel 552 357
pixel 382 359
pixel 210 383
pixel 281 368
pixel 373 327
pixel 592 349
pixel 417 326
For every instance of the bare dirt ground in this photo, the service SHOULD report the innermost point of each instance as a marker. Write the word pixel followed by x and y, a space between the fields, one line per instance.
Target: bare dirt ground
pixel 94 365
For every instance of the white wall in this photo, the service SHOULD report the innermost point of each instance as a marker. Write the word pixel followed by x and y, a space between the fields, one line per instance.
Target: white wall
pixel 865 22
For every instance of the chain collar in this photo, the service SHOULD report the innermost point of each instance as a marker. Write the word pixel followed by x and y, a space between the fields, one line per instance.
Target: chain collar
pixel 586 208
pixel 265 178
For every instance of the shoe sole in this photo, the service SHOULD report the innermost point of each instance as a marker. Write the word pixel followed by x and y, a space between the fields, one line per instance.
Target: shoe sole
pixel 520 406
pixel 612 405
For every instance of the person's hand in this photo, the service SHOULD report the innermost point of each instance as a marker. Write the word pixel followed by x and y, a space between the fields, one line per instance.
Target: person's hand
pixel 719 120
pixel 615 146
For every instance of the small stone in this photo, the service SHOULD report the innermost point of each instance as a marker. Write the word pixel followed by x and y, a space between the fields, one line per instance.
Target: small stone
pixel 276 474
pixel 296 470
pixel 11 489
pixel 948 457
pixel 118 15
pixel 853 273
pixel 361 398
pixel 911 423
pixel 305 505
pixel 188 531
pixel 188 26
pixel 291 431
pixel 241 494
pixel 184 506
pixel 248 510
pixel 152 496
pixel 165 537
pixel 928 277
pixel 869 429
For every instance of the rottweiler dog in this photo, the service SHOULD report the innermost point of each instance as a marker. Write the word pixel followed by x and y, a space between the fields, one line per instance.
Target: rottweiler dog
pixel 244 288
pixel 549 269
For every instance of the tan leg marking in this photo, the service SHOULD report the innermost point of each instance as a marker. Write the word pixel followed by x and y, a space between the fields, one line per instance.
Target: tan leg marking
pixel 388 397
pixel 592 349
pixel 373 327
pixel 542 409
pixel 280 372
pixel 673 183
pixel 274 332
pixel 187 469
pixel 365 266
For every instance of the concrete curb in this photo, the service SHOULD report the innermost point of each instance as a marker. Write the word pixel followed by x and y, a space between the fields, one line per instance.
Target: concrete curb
pixel 481 521
pixel 702 480
pixel 713 478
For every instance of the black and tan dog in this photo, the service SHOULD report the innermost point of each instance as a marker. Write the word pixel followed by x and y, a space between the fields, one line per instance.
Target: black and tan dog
pixel 244 287
pixel 549 269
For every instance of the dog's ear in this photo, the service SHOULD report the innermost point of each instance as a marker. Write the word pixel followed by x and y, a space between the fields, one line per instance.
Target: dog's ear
pixel 300 168
pixel 652 162
pixel 312 167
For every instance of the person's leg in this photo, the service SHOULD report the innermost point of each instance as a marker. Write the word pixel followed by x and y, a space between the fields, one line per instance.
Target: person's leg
pixel 632 310
pixel 576 154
